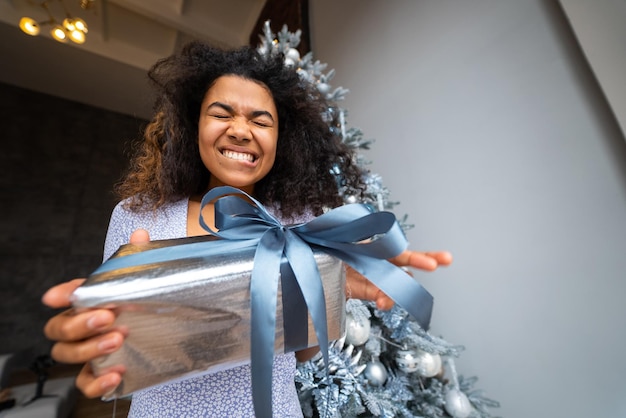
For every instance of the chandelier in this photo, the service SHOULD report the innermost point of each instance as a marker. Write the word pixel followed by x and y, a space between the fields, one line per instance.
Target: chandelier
pixel 72 28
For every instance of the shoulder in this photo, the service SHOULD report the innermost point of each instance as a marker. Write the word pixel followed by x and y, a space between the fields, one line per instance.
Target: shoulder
pixel 169 211
pixel 167 221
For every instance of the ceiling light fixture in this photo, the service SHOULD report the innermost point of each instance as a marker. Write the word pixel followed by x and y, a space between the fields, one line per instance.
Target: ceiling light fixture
pixel 29 26
pixel 72 28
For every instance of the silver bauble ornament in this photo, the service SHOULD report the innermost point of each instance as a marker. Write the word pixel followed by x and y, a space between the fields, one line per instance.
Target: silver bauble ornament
pixel 457 404
pixel 424 363
pixel 357 333
pixel 289 62
pixel 351 199
pixel 293 54
pixel 407 360
pixel 429 363
pixel 375 373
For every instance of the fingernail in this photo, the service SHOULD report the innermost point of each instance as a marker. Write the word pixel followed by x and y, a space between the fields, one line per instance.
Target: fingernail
pixel 96 322
pixel 108 384
pixel 107 345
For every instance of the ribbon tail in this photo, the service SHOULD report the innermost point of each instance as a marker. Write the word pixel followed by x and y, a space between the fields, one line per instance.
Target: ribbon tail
pixel 307 274
pixel 394 282
pixel 263 296
pixel 295 313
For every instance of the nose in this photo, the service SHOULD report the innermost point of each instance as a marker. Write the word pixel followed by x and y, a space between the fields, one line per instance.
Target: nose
pixel 239 129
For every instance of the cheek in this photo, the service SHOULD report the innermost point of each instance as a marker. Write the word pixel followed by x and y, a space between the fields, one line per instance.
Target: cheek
pixel 207 136
pixel 271 146
pixel 204 134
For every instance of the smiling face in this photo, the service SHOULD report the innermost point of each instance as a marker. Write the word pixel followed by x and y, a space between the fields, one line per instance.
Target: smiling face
pixel 237 132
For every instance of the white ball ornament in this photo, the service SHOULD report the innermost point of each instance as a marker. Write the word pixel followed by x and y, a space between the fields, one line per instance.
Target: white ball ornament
pixel 357 333
pixel 351 199
pixel 457 404
pixel 407 361
pixel 289 62
pixel 418 361
pixel 375 373
pixel 429 364
pixel 293 55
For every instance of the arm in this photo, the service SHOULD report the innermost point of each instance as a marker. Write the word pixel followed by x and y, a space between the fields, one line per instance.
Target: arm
pixel 358 287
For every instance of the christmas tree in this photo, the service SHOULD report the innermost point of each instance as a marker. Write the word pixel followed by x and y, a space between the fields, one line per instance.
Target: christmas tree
pixel 386 365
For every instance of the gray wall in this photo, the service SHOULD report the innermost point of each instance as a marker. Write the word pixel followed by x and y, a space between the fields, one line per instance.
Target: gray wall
pixel 495 137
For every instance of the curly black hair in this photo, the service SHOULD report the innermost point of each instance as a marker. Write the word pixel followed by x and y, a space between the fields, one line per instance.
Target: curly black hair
pixel 167 166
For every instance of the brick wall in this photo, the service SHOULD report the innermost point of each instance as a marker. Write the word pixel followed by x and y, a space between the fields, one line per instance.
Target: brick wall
pixel 58 162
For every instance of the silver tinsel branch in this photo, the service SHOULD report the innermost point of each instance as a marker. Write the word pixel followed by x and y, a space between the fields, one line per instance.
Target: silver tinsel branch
pixel 315 73
pixel 386 365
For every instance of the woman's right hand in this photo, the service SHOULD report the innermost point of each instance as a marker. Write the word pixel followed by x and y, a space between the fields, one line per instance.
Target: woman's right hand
pixel 82 336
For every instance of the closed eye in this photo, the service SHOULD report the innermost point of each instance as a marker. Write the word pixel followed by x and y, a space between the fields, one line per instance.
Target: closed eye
pixel 262 123
pixel 262 118
pixel 220 110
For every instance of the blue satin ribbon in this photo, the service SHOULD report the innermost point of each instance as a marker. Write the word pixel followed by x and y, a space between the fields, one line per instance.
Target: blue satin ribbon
pixel 352 233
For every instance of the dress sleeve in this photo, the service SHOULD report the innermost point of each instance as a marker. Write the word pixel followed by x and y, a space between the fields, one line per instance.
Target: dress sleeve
pixel 120 228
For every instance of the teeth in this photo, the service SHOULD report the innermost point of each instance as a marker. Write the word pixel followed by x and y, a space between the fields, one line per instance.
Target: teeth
pixel 238 156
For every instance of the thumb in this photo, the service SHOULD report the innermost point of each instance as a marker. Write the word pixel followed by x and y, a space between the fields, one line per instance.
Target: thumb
pixel 59 295
pixel 140 236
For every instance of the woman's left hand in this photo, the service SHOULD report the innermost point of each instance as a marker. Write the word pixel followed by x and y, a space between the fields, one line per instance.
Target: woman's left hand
pixel 358 287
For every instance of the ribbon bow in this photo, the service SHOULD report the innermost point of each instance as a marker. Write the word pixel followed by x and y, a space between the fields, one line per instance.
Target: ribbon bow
pixel 361 238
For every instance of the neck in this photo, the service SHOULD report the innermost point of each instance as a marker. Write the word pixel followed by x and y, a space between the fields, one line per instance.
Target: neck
pixel 216 183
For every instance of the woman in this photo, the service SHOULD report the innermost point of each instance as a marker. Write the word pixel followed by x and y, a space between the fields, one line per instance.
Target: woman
pixel 222 118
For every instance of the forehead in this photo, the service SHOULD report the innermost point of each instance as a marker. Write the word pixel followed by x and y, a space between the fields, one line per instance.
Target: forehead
pixel 238 91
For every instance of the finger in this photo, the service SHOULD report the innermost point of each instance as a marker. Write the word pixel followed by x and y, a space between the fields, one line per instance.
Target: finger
pixel 72 326
pixel 87 350
pixel 383 302
pixel 425 261
pixel 359 287
pixel 140 236
pixel 59 295
pixel 96 386
pixel 415 259
pixel 444 258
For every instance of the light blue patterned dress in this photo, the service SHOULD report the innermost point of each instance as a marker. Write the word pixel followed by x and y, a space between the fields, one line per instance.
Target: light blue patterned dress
pixel 223 394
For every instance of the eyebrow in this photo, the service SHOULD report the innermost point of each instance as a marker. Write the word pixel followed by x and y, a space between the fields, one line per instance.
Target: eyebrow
pixel 230 109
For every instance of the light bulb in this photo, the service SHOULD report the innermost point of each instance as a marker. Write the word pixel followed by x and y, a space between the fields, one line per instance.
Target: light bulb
pixel 29 26
pixel 58 33
pixel 77 36
pixel 87 4
pixel 80 24
pixel 68 24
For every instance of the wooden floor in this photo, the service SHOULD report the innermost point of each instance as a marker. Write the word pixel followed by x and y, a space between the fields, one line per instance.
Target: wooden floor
pixel 95 408
pixel 84 408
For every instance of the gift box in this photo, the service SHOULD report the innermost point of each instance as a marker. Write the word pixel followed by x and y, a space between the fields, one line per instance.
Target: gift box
pixel 191 316
pixel 191 307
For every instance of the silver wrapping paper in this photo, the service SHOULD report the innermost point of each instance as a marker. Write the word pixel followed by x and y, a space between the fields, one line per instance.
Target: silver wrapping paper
pixel 191 316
